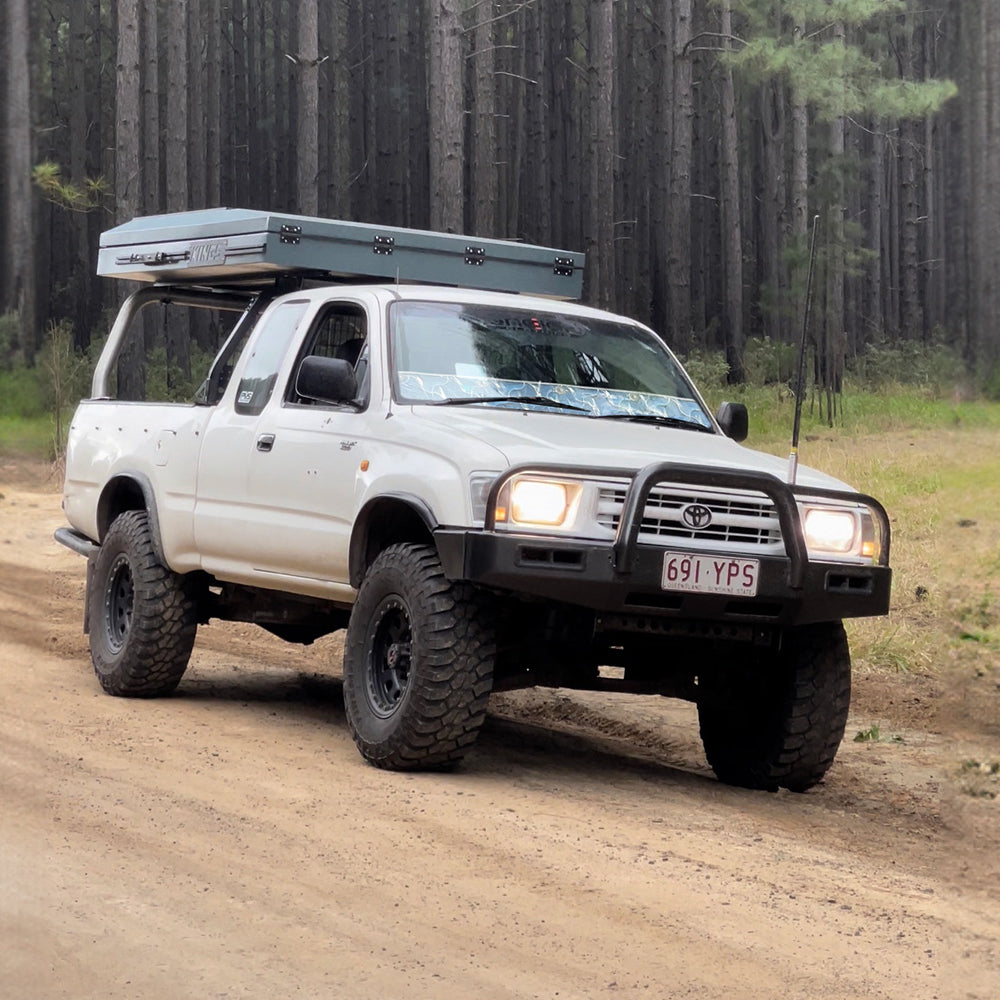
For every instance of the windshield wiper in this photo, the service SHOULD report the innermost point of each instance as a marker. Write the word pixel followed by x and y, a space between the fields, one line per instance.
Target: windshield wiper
pixel 657 418
pixel 533 400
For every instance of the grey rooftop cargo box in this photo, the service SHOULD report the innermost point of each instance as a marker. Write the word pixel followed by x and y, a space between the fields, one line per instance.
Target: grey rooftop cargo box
pixel 240 247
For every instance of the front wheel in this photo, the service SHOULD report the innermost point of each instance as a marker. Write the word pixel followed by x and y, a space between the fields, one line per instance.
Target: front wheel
pixel 143 616
pixel 778 721
pixel 418 663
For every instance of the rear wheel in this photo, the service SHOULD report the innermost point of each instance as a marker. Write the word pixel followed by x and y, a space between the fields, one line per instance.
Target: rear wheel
pixel 778 722
pixel 418 662
pixel 143 616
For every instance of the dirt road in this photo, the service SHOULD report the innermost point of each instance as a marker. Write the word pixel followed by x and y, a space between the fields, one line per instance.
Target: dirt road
pixel 229 842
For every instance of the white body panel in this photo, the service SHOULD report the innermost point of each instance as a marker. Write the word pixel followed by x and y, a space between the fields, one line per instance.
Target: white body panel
pixel 282 518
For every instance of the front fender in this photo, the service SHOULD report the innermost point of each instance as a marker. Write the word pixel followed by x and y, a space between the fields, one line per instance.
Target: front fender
pixel 385 520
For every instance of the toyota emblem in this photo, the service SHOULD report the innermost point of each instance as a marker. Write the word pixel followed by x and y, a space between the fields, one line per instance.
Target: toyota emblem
pixel 696 515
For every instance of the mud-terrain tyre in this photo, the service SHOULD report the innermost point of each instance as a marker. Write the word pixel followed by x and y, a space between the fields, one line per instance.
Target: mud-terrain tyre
pixel 418 663
pixel 778 722
pixel 143 616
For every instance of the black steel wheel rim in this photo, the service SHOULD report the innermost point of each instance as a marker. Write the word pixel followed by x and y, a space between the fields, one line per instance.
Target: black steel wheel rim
pixel 119 602
pixel 388 667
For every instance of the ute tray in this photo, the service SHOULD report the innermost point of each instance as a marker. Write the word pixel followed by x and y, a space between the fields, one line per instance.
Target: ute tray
pixel 232 247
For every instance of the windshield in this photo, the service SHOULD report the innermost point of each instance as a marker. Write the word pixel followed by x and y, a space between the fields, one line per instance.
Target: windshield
pixel 497 356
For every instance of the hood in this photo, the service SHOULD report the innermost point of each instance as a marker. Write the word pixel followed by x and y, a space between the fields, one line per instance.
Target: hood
pixel 527 436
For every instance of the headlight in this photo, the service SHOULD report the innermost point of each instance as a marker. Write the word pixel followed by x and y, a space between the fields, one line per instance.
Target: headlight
pixel 537 502
pixel 828 530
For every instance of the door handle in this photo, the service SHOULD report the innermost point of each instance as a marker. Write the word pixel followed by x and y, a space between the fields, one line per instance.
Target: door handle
pixel 265 442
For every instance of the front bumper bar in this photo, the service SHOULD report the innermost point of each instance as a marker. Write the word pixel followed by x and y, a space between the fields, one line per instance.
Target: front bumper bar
pixel 623 576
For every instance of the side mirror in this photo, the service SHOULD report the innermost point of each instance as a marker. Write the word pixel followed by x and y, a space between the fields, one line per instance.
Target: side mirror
pixel 327 380
pixel 733 420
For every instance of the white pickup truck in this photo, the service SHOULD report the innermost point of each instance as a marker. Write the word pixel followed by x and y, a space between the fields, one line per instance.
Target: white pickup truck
pixel 488 489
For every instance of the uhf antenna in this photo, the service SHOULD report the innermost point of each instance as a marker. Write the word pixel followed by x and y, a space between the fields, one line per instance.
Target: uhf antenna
pixel 800 378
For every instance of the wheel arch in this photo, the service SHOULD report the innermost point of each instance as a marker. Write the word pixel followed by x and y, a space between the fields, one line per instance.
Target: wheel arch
pixel 384 521
pixel 129 491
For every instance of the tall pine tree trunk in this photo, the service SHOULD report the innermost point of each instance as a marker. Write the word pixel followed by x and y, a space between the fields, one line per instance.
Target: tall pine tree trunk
pixel 772 215
pixel 989 334
pixel 151 133
pixel 663 129
pixel 197 52
pixel 732 231
pixel 679 253
pixel 602 154
pixel 78 121
pixel 799 193
pixel 307 146
pixel 213 106
pixel 176 161
pixel 20 266
pixel 338 138
pixel 483 187
pixel 446 124
pixel 128 186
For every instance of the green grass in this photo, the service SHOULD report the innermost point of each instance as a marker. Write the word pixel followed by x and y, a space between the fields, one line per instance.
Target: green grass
pixel 27 437
pixel 22 393
pixel 893 408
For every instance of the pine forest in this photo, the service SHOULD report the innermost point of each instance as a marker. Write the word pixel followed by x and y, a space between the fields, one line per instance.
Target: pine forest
pixel 694 149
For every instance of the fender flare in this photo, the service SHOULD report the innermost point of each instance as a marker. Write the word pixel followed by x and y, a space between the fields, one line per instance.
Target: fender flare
pixel 126 483
pixel 362 530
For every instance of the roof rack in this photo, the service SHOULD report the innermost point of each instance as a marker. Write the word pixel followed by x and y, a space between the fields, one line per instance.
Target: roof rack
pixel 232 247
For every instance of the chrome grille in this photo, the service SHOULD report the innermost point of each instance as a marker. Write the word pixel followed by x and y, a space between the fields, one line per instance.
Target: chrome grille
pixel 737 518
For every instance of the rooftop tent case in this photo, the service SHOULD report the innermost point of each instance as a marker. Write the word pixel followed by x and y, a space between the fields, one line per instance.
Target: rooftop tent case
pixel 240 247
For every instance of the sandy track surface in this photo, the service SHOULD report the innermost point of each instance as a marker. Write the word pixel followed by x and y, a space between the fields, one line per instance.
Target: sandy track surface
pixel 228 841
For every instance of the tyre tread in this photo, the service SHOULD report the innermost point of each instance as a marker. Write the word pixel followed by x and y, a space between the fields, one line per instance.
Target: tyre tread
pixel 164 618
pixel 786 735
pixel 450 687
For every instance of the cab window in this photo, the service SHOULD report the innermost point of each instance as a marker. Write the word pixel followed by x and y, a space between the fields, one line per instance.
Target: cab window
pixel 270 346
pixel 340 331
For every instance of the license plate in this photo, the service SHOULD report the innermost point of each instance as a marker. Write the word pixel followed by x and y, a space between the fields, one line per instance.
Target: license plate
pixel 710 574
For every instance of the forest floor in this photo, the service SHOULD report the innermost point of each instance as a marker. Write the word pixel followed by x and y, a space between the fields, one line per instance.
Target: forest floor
pixel 228 841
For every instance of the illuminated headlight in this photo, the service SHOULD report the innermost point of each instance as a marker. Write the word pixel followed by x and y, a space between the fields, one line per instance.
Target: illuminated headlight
pixel 538 503
pixel 828 530
pixel 535 502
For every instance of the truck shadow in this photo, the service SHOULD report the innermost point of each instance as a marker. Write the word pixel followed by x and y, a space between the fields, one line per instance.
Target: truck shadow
pixel 525 749
pixel 520 748
pixel 286 693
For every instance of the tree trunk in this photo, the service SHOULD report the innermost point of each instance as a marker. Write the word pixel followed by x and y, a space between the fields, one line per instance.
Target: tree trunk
pixel 732 232
pixel 446 125
pixel 152 201
pixel 483 186
pixel 833 326
pixel 773 214
pixel 989 289
pixel 307 145
pixel 661 170
pixel 20 269
pixel 799 194
pixel 875 213
pixel 602 154
pixel 338 98
pixel 239 107
pixel 213 105
pixel 176 159
pixel 197 52
pixel 128 186
pixel 679 254
pixel 78 122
